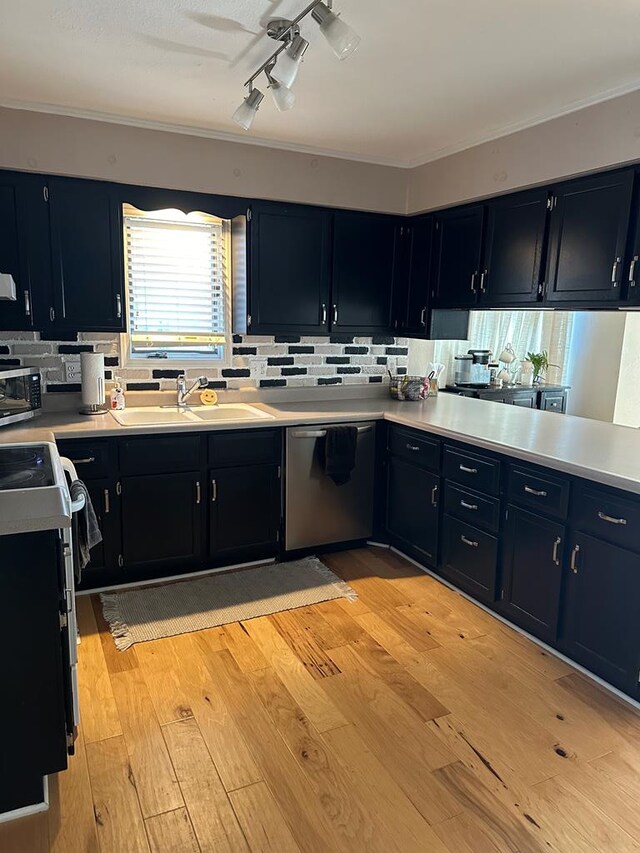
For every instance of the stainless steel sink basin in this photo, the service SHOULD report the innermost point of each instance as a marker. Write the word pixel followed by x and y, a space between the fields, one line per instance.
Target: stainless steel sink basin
pixel 152 415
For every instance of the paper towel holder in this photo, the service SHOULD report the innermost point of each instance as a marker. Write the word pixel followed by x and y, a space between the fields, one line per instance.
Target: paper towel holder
pixel 93 388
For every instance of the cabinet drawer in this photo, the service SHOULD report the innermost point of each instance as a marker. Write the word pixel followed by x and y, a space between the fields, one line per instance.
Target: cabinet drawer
pixel 415 447
pixel 469 558
pixel 472 507
pixel 553 402
pixel 91 458
pixel 245 447
pixel 607 516
pixel 541 492
pixel 160 454
pixel 478 472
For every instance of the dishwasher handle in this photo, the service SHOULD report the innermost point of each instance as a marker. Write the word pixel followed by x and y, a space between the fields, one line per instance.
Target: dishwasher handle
pixel 320 433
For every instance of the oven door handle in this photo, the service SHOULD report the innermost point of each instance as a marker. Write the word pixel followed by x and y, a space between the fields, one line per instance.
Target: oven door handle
pixel 70 468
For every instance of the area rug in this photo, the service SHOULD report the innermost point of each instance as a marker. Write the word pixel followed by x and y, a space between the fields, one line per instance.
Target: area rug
pixel 149 613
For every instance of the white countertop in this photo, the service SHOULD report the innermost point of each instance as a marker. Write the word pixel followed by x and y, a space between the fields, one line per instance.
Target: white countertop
pixel 602 452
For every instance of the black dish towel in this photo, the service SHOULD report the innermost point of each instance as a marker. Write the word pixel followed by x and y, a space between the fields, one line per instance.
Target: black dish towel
pixel 340 453
pixel 86 528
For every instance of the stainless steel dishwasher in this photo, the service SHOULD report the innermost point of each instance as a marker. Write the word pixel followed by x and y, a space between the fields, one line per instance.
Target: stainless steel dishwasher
pixel 317 511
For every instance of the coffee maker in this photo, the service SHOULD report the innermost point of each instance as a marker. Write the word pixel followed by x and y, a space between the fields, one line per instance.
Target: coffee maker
pixel 480 373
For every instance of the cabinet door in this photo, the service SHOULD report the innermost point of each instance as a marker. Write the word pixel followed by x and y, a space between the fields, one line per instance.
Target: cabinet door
pixel 290 269
pixel 412 508
pixel 602 610
pixel 532 572
pixel 512 271
pixel 244 511
pixel 86 255
pixel 105 503
pixel 470 558
pixel 15 315
pixel 365 252
pixel 456 281
pixel 161 518
pixel 589 225
pixel 527 400
pixel 413 284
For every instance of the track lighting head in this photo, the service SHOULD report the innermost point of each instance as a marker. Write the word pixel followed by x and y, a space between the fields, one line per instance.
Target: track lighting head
pixel 247 110
pixel 288 62
pixel 342 39
pixel 282 95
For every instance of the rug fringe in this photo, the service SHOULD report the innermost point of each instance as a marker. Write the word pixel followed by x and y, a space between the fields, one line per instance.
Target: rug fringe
pixel 342 586
pixel 119 629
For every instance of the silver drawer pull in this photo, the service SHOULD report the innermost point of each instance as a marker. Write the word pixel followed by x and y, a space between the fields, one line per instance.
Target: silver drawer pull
pixel 470 542
pixel 611 519
pixel 434 496
pixel 539 493
pixel 411 447
pixel 468 470
pixel 574 559
pixel 214 491
pixel 554 556
pixel 198 492
pixel 87 461
pixel 468 506
pixel 107 502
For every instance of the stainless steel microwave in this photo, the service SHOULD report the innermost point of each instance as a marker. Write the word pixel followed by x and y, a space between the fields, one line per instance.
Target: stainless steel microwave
pixel 20 394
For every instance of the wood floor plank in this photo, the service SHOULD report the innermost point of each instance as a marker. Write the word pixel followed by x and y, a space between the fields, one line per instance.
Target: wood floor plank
pixel 520 647
pixel 72 825
pixel 302 686
pixel 620 770
pixel 438 624
pixel 171 832
pixel 212 816
pixel 117 810
pixel 154 775
pixel 100 718
pixel 390 639
pixel 304 644
pixel 341 621
pixel 619 714
pixel 260 817
pixel 246 654
pixel 27 835
pixel 160 667
pixel 358 569
pixel 413 633
pixel 465 834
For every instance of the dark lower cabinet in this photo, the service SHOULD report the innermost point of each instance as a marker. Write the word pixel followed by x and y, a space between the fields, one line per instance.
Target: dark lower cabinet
pixel 532 572
pixel 412 509
pixel 161 518
pixel 244 514
pixel 469 558
pixel 602 610
pixel 524 399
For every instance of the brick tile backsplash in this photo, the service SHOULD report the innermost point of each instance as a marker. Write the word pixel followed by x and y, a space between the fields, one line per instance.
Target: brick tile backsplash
pixel 254 362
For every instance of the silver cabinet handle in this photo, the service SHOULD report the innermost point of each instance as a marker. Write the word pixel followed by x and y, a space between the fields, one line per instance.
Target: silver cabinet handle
pixel 412 447
pixel 52 314
pixel 198 494
pixel 86 461
pixel 538 493
pixel 465 505
pixel 470 542
pixel 473 281
pixel 107 502
pixel 610 519
pixel 434 498
pixel 574 559
pixel 423 316
pixel 632 270
pixel 324 313
pixel 468 470
pixel 27 303
pixel 214 491
pixel 335 314
pixel 554 556
pixel 614 271
pixel 118 306
pixel 483 278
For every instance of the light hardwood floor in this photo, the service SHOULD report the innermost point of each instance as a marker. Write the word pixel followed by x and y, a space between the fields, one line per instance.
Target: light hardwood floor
pixel 409 720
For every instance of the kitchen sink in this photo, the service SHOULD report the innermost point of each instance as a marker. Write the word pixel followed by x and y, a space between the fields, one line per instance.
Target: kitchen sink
pixel 151 415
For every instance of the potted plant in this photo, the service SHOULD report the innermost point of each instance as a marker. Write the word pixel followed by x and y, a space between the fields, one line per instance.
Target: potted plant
pixel 540 363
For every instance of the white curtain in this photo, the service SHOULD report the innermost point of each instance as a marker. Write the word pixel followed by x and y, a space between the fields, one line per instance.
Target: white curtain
pixel 527 331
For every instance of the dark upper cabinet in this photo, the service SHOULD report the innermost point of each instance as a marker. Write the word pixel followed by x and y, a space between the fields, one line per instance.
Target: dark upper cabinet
pixel 365 252
pixel 514 246
pixel 16 314
pixel 602 604
pixel 290 269
pixel 588 235
pixel 458 257
pixel 631 276
pixel 532 572
pixel 413 269
pixel 244 517
pixel 86 256
pixel 412 509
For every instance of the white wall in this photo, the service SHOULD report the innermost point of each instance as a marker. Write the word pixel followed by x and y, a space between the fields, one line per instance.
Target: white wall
pixel 627 407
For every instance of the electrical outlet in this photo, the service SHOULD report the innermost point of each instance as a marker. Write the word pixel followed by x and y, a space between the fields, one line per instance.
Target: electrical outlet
pixel 72 371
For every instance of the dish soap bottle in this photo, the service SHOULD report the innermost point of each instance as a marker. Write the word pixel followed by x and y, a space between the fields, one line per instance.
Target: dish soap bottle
pixel 117 396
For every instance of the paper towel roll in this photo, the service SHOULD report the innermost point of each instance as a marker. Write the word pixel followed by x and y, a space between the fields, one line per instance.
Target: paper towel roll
pixel 92 367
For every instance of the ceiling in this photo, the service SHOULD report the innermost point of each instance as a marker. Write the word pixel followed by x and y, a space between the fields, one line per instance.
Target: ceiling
pixel 430 76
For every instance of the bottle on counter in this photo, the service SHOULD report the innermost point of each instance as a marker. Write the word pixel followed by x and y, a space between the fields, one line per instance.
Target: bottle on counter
pixel 117 395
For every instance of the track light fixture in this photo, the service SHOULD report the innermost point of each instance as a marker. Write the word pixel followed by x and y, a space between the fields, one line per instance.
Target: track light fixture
pixel 281 68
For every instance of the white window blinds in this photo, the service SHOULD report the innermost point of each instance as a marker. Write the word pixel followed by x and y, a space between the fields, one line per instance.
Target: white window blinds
pixel 176 275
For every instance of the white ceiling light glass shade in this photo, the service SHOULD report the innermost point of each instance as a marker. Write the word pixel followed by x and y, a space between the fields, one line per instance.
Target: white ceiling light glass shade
pixel 287 65
pixel 283 97
pixel 342 39
pixel 247 110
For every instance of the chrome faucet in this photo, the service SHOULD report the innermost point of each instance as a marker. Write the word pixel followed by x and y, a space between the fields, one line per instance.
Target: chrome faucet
pixel 184 393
